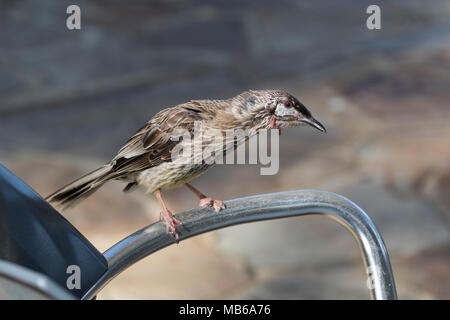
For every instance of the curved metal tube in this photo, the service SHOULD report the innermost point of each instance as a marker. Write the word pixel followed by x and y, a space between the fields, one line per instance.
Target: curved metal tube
pixel 261 207
pixel 25 279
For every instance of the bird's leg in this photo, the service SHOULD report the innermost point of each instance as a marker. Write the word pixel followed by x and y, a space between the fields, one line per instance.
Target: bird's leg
pixel 167 216
pixel 206 201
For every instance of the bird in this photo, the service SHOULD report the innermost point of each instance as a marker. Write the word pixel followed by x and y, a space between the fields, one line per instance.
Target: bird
pixel 146 159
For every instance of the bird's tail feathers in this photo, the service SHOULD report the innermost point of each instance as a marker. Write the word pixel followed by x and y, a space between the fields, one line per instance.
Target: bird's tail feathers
pixel 78 190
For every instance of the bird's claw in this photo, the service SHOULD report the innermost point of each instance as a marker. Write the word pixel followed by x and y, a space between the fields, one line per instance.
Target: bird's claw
pixel 209 202
pixel 171 223
pixel 218 205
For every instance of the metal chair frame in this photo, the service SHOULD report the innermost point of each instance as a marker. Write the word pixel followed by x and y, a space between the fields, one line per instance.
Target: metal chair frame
pixel 256 208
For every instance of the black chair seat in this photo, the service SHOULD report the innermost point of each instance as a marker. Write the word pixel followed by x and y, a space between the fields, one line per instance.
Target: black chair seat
pixel 36 236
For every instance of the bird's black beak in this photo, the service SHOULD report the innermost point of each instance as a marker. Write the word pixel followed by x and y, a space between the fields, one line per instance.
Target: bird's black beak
pixel 314 123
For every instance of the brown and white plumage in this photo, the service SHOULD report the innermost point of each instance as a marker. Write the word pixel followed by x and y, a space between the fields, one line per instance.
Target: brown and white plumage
pixel 146 158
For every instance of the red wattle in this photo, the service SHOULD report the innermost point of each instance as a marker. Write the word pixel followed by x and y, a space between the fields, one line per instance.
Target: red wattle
pixel 272 122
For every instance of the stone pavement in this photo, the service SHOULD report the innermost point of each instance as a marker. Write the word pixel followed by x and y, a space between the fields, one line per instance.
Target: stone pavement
pixel 70 99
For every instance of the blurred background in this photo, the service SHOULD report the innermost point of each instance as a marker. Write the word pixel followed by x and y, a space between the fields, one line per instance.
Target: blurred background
pixel 70 99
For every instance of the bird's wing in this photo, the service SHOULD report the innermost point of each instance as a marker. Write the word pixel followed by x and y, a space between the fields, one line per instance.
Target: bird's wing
pixel 151 145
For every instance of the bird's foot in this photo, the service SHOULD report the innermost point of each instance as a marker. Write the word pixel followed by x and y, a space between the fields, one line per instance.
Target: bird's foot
pixel 209 202
pixel 171 223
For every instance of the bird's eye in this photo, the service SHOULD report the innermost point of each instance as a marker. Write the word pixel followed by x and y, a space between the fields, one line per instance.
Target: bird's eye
pixel 288 104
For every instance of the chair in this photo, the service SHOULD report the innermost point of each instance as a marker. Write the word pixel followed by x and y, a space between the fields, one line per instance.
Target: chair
pixel 38 245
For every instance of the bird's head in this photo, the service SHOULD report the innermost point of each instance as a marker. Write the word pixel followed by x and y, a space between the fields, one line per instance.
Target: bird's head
pixel 273 108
